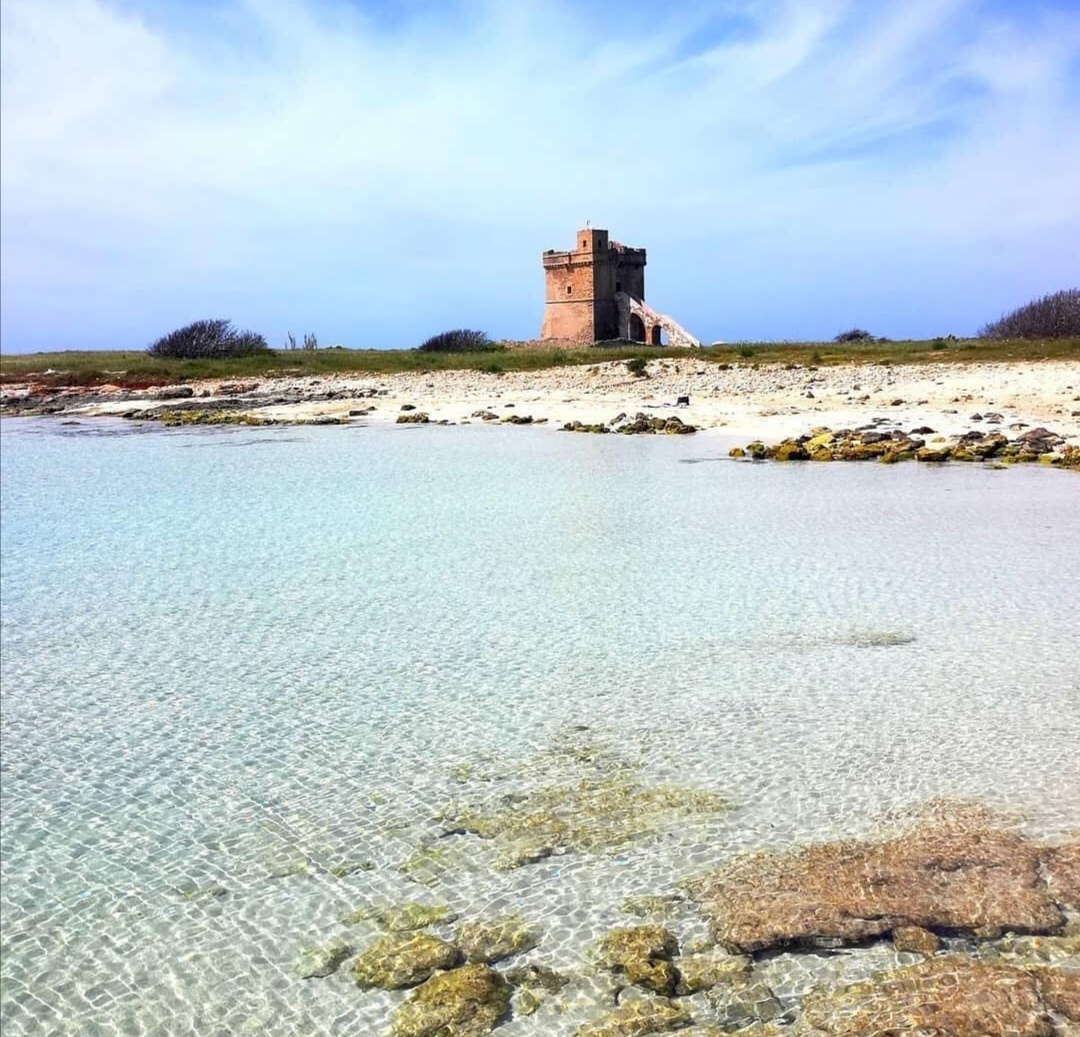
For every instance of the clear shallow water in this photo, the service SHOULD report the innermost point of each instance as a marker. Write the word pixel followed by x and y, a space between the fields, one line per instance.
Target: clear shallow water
pixel 239 663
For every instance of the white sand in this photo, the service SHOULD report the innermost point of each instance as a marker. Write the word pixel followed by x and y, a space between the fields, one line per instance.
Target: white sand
pixel 743 403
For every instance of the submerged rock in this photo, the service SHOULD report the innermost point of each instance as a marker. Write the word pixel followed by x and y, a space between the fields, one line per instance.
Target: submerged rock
pixel 594 814
pixel 915 939
pixel 938 875
pixel 322 961
pixel 641 953
pixel 947 996
pixel 467 1002
pixel 1060 991
pixel 709 969
pixel 652 904
pixel 637 1019
pixel 427 865
pixel 490 941
pixel 744 1001
pixel 407 917
pixel 392 962
pixel 876 639
pixel 1061 871
pixel 536 977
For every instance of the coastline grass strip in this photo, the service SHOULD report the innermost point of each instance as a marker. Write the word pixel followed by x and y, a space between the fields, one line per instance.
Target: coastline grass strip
pixel 136 369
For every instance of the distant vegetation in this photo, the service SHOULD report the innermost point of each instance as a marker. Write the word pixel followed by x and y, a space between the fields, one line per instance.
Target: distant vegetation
pixel 1052 316
pixel 461 340
pixel 854 335
pixel 138 370
pixel 310 342
pixel 207 339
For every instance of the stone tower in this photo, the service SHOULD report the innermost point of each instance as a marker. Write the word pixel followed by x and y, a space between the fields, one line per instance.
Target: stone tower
pixel 582 289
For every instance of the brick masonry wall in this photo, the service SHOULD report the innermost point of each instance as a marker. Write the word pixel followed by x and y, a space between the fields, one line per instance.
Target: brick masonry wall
pixel 569 283
pixel 580 287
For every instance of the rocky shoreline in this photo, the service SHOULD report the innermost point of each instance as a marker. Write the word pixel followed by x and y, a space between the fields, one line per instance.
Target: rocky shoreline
pixel 745 403
pixel 870 443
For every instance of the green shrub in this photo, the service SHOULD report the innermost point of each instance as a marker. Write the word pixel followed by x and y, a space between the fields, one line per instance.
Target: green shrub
pixel 746 352
pixel 207 339
pixel 939 344
pixel 1052 316
pixel 636 366
pixel 854 335
pixel 460 340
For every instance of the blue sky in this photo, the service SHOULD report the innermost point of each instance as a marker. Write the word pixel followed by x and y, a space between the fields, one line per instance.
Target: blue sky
pixel 376 171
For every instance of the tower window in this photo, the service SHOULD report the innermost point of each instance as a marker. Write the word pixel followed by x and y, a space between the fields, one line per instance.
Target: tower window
pixel 618 286
pixel 569 289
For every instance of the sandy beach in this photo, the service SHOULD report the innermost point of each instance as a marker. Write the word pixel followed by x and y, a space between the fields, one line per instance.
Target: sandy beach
pixel 739 402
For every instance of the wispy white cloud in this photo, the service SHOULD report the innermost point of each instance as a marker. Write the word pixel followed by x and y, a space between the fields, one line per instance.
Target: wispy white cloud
pixel 792 166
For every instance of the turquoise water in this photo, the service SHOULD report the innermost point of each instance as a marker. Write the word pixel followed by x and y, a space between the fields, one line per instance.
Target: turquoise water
pixel 244 670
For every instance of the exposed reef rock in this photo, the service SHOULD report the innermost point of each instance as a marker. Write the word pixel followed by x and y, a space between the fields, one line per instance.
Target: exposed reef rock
pixel 173 418
pixel 392 962
pixel 640 424
pixel 467 1002
pixel 943 875
pixel 889 447
pixel 414 418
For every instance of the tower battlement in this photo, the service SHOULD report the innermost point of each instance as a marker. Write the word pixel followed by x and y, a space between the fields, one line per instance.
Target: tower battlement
pixel 581 285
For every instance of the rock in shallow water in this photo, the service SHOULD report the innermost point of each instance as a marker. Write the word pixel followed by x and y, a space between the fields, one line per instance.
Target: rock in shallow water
pixel 637 1019
pixel 641 953
pixel 913 938
pixel 947 996
pixel 491 941
pixel 710 969
pixel 322 961
pixel 395 961
pixel 742 1002
pixel 466 1002
pixel 939 874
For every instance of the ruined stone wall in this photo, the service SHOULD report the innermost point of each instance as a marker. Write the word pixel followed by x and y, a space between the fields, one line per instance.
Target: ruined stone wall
pixel 629 269
pixel 635 313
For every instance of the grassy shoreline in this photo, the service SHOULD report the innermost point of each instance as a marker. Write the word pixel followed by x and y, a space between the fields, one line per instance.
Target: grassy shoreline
pixel 135 369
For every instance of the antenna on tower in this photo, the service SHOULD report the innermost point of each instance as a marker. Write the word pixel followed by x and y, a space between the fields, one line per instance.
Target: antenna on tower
pixel 588 224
